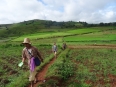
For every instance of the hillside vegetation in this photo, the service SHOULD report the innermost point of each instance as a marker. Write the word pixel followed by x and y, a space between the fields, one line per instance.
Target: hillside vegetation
pixel 32 26
pixel 37 26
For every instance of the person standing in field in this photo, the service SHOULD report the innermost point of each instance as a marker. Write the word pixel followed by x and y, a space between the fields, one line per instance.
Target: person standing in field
pixel 30 52
pixel 64 46
pixel 54 49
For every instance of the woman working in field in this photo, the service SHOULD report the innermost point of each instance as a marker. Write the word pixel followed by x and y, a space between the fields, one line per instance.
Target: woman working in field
pixel 30 52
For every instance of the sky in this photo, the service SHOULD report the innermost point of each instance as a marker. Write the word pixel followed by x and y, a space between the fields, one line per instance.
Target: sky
pixel 90 11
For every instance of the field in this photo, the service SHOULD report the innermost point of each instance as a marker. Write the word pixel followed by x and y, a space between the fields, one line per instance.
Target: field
pixel 83 68
pixel 102 36
pixel 10 73
pixel 82 64
pixel 59 34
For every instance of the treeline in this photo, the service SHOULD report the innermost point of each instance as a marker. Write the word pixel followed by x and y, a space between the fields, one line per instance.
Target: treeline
pixel 62 24
pixel 102 24
pixel 72 24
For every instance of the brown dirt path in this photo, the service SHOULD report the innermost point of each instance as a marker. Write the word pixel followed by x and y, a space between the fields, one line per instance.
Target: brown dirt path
pixel 92 46
pixel 41 74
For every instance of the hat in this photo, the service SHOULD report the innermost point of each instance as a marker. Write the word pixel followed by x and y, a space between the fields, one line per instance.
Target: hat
pixel 26 40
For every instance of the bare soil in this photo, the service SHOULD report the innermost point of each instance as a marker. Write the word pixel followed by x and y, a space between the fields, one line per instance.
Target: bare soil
pixel 93 46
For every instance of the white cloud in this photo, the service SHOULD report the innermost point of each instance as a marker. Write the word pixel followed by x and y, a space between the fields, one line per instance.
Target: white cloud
pixel 91 11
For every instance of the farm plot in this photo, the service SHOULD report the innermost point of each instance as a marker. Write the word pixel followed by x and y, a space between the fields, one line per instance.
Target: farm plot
pixel 10 56
pixel 58 34
pixel 97 37
pixel 83 68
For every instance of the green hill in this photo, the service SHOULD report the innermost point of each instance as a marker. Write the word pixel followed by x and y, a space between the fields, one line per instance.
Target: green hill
pixel 9 31
pixel 34 26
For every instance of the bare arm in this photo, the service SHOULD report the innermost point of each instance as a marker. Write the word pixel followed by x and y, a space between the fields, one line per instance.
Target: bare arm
pixel 23 60
pixel 23 56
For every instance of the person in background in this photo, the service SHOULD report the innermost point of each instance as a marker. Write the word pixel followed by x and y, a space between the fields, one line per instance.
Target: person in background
pixel 64 46
pixel 33 53
pixel 54 49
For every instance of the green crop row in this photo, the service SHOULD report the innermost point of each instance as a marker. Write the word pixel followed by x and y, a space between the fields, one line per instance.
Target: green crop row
pixel 97 36
pixel 82 68
pixel 94 66
pixel 57 34
pixel 62 69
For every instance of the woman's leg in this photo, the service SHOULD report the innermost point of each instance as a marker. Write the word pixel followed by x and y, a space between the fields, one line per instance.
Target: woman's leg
pixel 31 83
pixel 55 54
pixel 32 76
pixel 35 80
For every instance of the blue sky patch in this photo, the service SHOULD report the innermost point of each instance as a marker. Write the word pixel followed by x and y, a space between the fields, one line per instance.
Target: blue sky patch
pixel 42 2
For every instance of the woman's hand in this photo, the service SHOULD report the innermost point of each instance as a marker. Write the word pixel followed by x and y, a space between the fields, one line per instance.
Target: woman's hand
pixel 23 60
